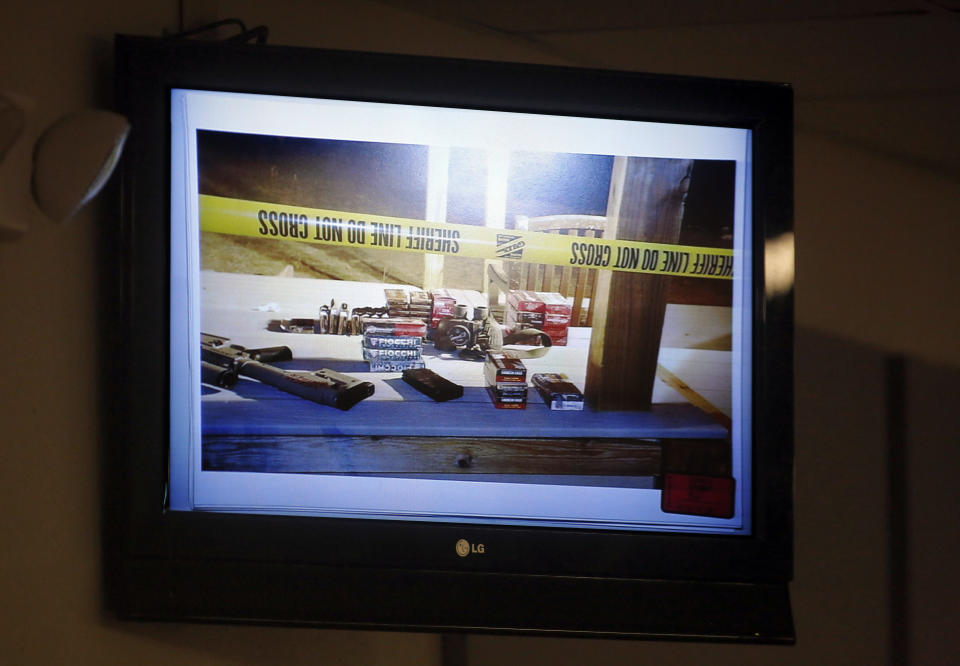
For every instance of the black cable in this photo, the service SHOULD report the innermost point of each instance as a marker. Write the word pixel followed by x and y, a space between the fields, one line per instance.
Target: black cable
pixel 258 33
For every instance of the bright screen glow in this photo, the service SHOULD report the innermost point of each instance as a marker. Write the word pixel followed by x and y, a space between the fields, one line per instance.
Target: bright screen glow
pixel 299 222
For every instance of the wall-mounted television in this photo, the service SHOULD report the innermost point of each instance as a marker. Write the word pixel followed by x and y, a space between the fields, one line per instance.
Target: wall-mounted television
pixel 450 345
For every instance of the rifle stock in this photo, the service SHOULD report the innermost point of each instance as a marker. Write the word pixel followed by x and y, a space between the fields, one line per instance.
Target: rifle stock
pixel 221 363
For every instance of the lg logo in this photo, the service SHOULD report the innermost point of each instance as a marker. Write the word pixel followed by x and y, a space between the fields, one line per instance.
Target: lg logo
pixel 464 548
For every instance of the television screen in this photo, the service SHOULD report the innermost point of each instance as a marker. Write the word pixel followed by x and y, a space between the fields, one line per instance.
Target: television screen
pixel 382 219
pixel 403 300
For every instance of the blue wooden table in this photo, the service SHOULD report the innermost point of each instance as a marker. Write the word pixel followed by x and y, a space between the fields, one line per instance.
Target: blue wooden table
pixel 255 427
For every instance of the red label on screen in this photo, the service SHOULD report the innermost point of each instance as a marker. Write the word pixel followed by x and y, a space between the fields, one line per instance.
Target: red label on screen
pixel 698 495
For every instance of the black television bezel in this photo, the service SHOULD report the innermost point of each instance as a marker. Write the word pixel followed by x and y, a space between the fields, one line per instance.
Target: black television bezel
pixel 164 564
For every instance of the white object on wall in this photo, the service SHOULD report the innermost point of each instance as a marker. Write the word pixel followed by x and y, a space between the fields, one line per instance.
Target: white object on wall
pixel 71 162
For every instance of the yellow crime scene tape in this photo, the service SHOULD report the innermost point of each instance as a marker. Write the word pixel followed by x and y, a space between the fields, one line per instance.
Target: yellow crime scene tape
pixel 256 219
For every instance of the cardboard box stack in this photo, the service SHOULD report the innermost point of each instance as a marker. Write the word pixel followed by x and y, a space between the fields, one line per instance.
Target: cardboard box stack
pixel 546 311
pixel 524 310
pixel 393 344
pixel 397 301
pixel 443 303
pixel 416 304
pixel 556 316
pixel 506 380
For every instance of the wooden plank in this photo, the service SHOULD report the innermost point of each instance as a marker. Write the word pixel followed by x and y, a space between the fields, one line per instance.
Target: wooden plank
pixel 645 205
pixel 586 284
pixel 706 372
pixel 438 180
pixel 497 167
pixel 565 273
pixel 432 271
pixel 698 327
pixel 713 457
pixel 497 281
pixel 441 455
pixel 695 398
pixel 473 458
pixel 579 290
pixel 549 272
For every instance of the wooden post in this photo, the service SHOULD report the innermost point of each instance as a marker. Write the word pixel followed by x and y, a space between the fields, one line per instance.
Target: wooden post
pixel 438 179
pixel 495 217
pixel 645 204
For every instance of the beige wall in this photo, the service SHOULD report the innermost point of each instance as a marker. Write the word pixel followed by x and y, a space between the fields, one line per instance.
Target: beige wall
pixel 875 221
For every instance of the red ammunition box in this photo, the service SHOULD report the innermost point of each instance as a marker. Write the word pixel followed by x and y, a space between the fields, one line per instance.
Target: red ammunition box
pixel 500 368
pixel 558 334
pixel 555 304
pixel 443 305
pixel 556 321
pixel 406 326
pixel 525 301
pixel 523 319
pixel 506 403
